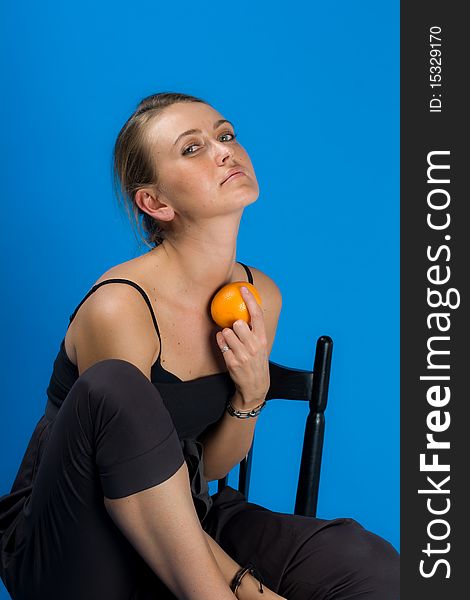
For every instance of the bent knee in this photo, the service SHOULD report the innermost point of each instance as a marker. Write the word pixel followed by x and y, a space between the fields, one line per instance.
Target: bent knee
pixel 354 559
pixel 112 378
pixel 343 560
pixel 117 385
pixel 110 370
pixel 371 560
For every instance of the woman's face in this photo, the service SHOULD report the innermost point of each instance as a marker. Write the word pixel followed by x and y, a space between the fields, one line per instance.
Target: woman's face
pixel 192 166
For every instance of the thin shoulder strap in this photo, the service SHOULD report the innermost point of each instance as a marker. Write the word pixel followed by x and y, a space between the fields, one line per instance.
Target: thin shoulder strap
pixel 118 280
pixel 250 276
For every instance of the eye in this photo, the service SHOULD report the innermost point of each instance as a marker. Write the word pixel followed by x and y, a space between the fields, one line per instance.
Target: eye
pixel 233 135
pixel 186 150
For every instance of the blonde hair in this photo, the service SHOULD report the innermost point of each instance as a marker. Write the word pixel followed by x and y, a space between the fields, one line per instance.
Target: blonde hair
pixel 134 167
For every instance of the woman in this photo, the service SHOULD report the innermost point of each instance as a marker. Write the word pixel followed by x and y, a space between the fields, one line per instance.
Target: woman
pixel 111 498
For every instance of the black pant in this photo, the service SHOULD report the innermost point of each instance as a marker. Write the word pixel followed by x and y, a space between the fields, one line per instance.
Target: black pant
pixel 112 437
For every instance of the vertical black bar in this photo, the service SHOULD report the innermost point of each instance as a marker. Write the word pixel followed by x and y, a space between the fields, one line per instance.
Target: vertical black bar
pixel 244 473
pixel 310 465
pixel 435 234
pixel 221 483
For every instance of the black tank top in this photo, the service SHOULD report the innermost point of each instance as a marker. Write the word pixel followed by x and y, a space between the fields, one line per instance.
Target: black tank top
pixel 193 404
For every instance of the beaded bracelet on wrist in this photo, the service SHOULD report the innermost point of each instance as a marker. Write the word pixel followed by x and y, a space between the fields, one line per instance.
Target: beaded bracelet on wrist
pixel 245 414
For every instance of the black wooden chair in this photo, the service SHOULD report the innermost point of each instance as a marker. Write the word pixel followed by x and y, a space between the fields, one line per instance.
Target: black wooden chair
pixel 311 386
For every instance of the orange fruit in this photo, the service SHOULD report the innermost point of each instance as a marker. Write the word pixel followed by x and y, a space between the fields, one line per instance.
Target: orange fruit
pixel 228 306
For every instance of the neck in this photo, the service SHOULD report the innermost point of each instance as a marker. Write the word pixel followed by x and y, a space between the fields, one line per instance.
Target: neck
pixel 201 262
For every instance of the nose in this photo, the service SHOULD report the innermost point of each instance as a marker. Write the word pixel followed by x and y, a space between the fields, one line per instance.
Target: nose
pixel 222 151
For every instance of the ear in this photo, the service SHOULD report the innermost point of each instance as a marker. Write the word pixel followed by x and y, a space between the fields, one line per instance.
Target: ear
pixel 152 203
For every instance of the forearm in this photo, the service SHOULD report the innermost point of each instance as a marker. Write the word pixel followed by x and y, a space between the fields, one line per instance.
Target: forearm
pixel 228 442
pixel 249 587
pixel 226 564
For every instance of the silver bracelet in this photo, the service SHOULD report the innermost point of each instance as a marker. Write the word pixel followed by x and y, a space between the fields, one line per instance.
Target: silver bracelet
pixel 244 414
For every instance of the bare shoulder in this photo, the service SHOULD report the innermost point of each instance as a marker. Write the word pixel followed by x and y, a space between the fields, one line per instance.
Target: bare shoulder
pixel 114 322
pixel 268 288
pixel 271 302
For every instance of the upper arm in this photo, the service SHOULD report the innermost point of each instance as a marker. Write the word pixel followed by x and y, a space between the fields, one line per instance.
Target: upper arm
pixel 115 323
pixel 271 298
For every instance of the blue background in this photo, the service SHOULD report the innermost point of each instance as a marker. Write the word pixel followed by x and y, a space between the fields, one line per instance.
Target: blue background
pixel 313 90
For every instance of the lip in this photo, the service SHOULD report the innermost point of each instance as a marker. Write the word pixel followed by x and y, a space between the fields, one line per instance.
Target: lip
pixel 232 173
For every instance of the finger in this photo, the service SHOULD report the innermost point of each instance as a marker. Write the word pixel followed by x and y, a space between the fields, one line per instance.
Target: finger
pixel 243 331
pixel 240 339
pixel 245 335
pixel 222 343
pixel 256 314
pixel 233 342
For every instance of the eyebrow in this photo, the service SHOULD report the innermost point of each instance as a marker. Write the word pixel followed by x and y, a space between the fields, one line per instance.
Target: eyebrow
pixel 216 124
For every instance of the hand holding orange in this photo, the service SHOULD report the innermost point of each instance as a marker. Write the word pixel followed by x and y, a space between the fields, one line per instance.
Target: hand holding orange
pixel 228 305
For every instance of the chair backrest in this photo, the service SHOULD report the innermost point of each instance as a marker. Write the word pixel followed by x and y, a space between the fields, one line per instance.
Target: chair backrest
pixel 311 386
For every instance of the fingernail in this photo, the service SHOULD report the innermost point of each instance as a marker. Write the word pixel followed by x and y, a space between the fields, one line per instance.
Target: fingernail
pixel 243 288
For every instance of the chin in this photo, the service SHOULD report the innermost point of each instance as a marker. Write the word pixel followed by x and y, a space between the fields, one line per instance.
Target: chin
pixel 242 198
pixel 250 195
pixel 246 201
pixel 247 198
pixel 253 197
